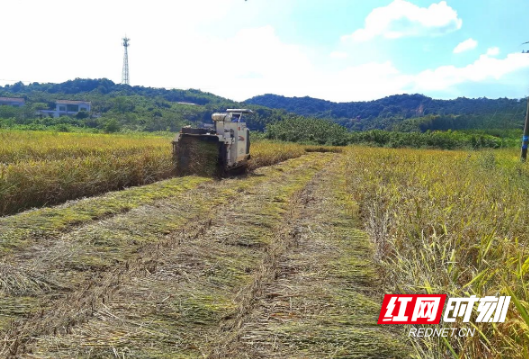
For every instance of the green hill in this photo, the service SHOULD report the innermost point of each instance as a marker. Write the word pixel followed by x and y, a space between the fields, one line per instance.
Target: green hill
pixel 116 106
pixel 406 112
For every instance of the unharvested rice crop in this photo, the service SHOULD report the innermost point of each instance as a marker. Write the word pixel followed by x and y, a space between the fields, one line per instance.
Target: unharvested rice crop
pixel 20 146
pixel 45 168
pixel 266 153
pixel 41 168
pixel 452 223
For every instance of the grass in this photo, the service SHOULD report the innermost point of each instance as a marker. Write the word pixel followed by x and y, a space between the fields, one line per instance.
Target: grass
pixel 454 223
pixel 44 168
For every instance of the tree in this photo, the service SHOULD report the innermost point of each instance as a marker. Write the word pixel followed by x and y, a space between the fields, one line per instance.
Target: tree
pixel 123 104
pixel 111 126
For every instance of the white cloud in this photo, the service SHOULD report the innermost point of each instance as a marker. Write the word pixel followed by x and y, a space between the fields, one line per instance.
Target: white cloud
pixel 375 80
pixel 253 61
pixel 493 51
pixel 485 68
pixel 181 47
pixel 466 45
pixel 338 55
pixel 362 82
pixel 402 18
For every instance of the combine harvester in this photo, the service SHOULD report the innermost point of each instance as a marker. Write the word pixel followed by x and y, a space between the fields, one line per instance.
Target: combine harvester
pixel 218 152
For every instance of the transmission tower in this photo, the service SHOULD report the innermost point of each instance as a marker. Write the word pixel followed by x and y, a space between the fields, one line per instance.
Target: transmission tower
pixel 125 73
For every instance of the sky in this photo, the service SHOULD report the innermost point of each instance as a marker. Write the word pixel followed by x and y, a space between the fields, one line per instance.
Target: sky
pixel 337 50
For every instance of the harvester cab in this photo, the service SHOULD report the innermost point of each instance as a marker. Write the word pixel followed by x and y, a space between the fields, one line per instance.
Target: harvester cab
pixel 216 151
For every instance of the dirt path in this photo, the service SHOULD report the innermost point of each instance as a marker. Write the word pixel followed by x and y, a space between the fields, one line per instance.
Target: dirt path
pixel 266 266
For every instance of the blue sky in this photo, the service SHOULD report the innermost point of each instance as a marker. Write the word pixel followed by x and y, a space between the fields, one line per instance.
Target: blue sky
pixel 339 50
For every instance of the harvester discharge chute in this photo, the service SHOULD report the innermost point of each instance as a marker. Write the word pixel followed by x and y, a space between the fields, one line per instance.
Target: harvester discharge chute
pixel 214 152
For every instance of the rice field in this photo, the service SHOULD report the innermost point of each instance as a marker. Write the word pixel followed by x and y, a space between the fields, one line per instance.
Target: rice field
pixel 259 266
pixel 450 222
pixel 23 146
pixel 45 168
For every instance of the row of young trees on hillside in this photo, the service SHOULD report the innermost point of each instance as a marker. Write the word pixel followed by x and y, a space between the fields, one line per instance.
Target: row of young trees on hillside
pixel 310 131
pixel 325 132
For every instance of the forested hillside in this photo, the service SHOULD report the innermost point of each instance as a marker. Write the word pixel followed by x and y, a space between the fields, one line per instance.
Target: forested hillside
pixel 406 112
pixel 116 107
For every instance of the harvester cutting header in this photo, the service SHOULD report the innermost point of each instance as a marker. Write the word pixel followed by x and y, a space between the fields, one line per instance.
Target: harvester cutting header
pixel 224 149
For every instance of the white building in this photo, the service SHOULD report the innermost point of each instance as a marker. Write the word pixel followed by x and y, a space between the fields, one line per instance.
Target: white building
pixel 12 101
pixel 68 108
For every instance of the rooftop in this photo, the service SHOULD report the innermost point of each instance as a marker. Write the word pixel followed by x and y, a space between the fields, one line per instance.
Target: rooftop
pixel 12 99
pixel 69 102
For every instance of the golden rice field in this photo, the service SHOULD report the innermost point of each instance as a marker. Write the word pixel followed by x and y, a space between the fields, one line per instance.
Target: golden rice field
pixel 449 222
pixel 454 223
pixel 21 146
pixel 45 168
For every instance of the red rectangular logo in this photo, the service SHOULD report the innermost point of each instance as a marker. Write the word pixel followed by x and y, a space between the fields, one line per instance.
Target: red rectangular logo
pixel 412 309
